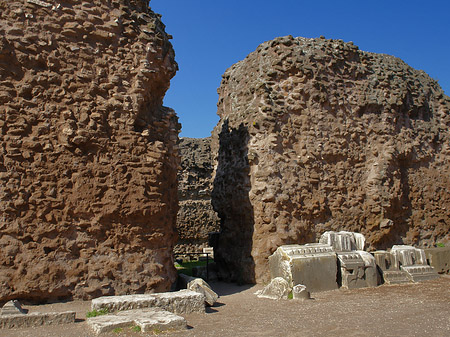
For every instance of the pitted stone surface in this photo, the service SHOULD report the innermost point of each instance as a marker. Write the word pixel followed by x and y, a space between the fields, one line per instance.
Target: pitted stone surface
pixel 147 319
pixel 88 159
pixel 196 217
pixel 36 319
pixel 316 135
pixel 179 302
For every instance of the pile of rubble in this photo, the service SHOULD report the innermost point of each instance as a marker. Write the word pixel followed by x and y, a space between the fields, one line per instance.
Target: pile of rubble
pixel 339 260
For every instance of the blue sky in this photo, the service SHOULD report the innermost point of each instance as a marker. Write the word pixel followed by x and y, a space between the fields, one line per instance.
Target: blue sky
pixel 211 35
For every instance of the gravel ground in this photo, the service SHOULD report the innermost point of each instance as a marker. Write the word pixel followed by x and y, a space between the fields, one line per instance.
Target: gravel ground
pixel 421 309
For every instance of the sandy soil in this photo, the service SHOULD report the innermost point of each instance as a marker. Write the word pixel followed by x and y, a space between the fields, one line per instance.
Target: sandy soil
pixel 398 310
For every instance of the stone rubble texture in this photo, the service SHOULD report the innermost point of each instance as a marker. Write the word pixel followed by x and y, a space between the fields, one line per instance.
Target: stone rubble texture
pixel 88 157
pixel 317 135
pixel 179 302
pixel 148 320
pixel 196 217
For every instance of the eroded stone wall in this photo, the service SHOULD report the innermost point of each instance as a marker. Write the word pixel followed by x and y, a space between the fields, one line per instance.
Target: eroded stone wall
pixel 196 217
pixel 88 160
pixel 317 135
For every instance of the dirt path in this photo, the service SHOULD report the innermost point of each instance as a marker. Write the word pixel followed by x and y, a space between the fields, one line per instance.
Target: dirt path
pixel 400 310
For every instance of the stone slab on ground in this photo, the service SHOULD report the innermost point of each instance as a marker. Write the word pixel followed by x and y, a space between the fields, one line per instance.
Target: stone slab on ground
pixel 178 302
pixel 149 319
pixel 36 319
pixel 439 259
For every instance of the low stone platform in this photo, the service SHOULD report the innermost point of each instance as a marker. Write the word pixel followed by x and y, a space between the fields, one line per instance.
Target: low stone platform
pixel 150 319
pixel 179 302
pixel 36 319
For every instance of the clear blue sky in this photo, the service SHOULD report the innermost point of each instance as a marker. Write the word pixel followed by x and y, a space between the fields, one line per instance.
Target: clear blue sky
pixel 211 35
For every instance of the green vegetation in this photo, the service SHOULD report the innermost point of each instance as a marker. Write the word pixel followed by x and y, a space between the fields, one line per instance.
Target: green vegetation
pixel 95 313
pixel 291 296
pixel 440 244
pixel 136 328
pixel 117 330
pixel 186 267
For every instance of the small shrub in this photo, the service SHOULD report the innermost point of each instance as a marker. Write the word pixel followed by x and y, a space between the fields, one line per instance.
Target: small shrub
pixel 117 330
pixel 440 244
pixel 291 296
pixel 95 313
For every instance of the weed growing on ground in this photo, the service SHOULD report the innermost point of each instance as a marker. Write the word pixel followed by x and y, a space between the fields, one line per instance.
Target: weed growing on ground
pixel 440 244
pixel 136 328
pixel 95 313
pixel 291 296
pixel 117 330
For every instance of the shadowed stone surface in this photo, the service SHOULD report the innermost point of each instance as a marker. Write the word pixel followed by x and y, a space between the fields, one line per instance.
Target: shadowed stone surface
pixel 439 259
pixel 317 135
pixel 196 217
pixel 88 159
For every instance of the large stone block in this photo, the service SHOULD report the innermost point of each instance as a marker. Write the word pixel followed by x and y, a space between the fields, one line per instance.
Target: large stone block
pixel 313 265
pixel 179 302
pixel 358 269
pixel 389 268
pixel 439 259
pixel 414 262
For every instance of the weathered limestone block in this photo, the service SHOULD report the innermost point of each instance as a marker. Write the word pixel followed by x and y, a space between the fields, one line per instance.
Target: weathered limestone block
pixel 357 267
pixel 414 262
pixel 200 286
pixel 36 319
pixel 13 307
pixel 313 265
pixel 88 154
pixel 390 269
pixel 277 289
pixel 356 271
pixel 179 302
pixel 343 241
pixel 439 259
pixel 316 135
pixel 147 319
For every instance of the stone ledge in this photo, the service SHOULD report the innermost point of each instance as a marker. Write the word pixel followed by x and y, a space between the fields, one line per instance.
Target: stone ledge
pixel 179 302
pixel 146 319
pixel 36 319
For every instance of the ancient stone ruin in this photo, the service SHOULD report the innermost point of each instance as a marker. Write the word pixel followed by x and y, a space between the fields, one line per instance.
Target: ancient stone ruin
pixel 339 260
pixel 196 217
pixel 317 135
pixel 88 160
